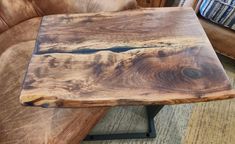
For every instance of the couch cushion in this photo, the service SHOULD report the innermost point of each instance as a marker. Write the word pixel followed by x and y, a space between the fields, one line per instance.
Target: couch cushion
pixel 22 32
pixel 13 12
pixel 219 11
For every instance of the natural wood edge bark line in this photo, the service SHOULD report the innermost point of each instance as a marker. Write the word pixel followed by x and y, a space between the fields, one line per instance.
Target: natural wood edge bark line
pixel 55 102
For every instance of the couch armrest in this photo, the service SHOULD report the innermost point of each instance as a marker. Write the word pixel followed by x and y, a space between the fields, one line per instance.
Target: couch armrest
pixel 12 12
pixel 221 38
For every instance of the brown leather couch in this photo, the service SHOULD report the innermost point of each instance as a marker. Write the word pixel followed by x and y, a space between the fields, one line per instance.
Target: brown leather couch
pixel 19 23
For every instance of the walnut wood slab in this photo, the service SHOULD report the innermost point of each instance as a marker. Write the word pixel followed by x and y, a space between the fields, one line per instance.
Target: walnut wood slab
pixel 146 56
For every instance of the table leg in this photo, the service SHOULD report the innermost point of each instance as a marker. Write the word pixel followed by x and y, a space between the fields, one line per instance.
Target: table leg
pixel 152 111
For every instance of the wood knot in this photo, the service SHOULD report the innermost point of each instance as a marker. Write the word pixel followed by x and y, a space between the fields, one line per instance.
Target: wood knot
pixel 192 73
pixel 161 53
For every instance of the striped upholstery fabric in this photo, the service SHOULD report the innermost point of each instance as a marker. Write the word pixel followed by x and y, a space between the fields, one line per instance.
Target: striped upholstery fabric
pixel 181 3
pixel 219 11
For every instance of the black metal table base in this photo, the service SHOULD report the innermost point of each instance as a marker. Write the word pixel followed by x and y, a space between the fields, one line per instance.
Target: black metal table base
pixel 151 110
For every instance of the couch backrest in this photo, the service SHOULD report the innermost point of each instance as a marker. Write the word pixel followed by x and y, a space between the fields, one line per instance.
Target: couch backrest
pixel 13 12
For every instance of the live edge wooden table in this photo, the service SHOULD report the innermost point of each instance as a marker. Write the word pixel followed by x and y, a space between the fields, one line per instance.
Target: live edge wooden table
pixel 150 57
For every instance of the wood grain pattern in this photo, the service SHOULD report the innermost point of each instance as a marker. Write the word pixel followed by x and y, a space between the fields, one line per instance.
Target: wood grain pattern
pixel 198 123
pixel 147 56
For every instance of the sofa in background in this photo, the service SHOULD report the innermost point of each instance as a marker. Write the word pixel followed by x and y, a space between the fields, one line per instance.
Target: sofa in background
pixel 220 33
